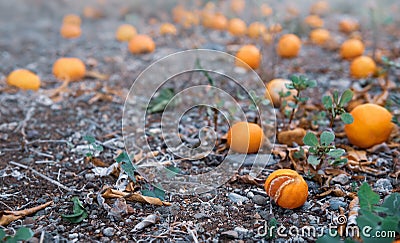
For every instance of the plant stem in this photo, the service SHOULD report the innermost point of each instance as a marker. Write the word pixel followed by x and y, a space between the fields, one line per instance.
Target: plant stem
pixel 294 109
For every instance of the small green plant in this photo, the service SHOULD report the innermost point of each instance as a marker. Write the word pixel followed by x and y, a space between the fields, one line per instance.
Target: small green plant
pixel 22 234
pixel 300 84
pixel 373 221
pixel 323 150
pixel 159 103
pixel 391 104
pixel 94 146
pixel 79 212
pixel 335 106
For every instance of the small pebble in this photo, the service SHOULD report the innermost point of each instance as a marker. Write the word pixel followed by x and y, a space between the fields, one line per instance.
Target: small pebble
pixel 383 185
pixel 109 231
pixel 73 236
pixel 234 197
pixel 260 200
pixel 335 203
pixel 342 179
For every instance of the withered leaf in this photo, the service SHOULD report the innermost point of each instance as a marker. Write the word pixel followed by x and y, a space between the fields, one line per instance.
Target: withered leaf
pixel 6 216
pixel 149 220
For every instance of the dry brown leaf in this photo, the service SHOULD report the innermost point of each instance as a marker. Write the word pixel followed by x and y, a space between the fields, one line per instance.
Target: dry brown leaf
pixel 100 97
pixel 381 98
pixel 135 197
pixel 280 150
pixel 292 136
pixel 149 220
pixel 357 155
pixel 6 217
pixel 335 172
pixel 96 75
pixel 247 179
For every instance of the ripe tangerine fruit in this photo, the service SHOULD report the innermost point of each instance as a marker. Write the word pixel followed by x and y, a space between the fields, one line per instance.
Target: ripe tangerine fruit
pixel 319 36
pixel 23 79
pixel 125 32
pixel 237 27
pixel 314 21
pixel 245 137
pixel 362 67
pixel 351 48
pixel 168 29
pixel 219 22
pixel 72 19
pixel 141 44
pixel 250 55
pixel 69 68
pixel 287 188
pixel 289 46
pixel 372 125
pixel 256 29
pixel 69 31
pixel 274 87
pixel 348 25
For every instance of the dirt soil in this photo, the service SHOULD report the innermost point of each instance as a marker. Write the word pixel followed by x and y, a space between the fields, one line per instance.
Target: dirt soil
pixel 46 134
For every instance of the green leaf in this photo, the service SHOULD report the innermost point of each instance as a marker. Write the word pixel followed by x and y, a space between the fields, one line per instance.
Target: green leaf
pixel 172 171
pixel 327 138
pixel 23 233
pixel 346 97
pixel 126 165
pixel 335 96
pixel 329 239
pixel 336 153
pixel 339 162
pixel 299 154
pixel 89 139
pixel 392 203
pixel 327 102
pixel 301 99
pixel 347 118
pixel 153 191
pixel 312 83
pixel 313 160
pixel 79 212
pixel 367 197
pixel 98 147
pixel 310 139
pixel 159 103
pixel 2 234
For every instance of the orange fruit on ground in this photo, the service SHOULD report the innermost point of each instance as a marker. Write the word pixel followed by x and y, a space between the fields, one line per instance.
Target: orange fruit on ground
pixel 237 27
pixel 362 67
pixel 70 31
pixel 238 6
pixel 320 7
pixel 72 19
pixel 319 36
pixel 250 55
pixel 314 21
pixel 287 188
pixel 168 29
pixel 23 79
pixel 274 87
pixel 141 44
pixel 266 10
pixel 372 125
pixel 348 25
pixel 289 46
pixel 92 12
pixel 245 137
pixel 351 48
pixel 69 68
pixel 125 32
pixel 219 22
pixel 256 29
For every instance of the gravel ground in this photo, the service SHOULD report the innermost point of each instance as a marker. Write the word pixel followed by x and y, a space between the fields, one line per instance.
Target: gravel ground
pixel 47 135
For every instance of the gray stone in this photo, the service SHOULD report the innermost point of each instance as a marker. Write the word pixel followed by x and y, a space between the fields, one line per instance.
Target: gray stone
pixel 260 200
pixel 335 203
pixel 234 197
pixel 241 231
pixel 73 236
pixel 109 231
pixel 383 185
pixel 342 179
pixel 90 176
pixel 230 234
pixel 200 215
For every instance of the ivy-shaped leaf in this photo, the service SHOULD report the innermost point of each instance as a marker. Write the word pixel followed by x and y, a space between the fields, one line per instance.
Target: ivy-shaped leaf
pixel 327 138
pixel 310 139
pixel 79 212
